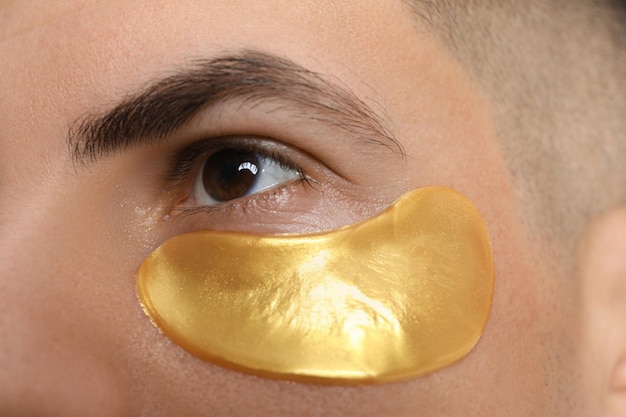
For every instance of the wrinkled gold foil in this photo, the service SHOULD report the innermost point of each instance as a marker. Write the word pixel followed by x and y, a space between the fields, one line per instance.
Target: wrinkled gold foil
pixel 399 295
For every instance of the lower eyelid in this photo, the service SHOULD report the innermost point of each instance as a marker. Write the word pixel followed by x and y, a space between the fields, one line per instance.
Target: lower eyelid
pixel 266 212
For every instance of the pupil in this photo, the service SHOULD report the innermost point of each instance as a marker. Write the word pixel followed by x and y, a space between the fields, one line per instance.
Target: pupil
pixel 230 174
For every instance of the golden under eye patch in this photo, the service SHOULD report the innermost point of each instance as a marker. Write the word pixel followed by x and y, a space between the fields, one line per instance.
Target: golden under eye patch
pixel 401 294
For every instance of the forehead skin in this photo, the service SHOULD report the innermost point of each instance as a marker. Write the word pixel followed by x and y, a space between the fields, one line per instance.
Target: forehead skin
pixel 73 338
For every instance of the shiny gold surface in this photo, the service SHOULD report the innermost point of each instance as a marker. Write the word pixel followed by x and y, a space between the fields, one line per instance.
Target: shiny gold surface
pixel 404 293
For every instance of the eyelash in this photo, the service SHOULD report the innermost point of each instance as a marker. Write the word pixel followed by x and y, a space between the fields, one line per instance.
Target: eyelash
pixel 185 162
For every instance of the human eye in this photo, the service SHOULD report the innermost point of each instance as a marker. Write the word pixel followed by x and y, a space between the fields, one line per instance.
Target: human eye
pixel 237 173
pixel 232 172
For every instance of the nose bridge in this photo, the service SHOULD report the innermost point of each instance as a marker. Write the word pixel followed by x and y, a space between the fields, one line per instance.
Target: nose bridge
pixel 54 355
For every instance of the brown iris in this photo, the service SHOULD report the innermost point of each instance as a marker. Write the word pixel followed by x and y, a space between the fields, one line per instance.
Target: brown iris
pixel 230 173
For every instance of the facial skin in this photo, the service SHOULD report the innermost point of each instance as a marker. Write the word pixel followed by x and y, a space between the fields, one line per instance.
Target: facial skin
pixel 74 339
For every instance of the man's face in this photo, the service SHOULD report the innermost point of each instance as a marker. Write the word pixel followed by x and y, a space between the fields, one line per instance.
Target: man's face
pixel 73 231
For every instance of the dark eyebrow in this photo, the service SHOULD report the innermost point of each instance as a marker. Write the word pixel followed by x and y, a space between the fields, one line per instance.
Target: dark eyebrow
pixel 168 104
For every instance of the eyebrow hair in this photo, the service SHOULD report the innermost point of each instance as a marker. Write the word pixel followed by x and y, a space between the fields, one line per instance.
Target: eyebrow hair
pixel 166 105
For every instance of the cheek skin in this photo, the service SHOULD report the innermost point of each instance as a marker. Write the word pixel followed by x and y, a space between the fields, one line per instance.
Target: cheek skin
pixel 60 309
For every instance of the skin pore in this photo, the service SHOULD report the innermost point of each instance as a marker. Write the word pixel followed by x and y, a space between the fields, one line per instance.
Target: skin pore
pixel 74 340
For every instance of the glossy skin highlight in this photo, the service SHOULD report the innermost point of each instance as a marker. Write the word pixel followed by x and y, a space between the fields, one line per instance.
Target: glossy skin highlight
pixel 399 295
